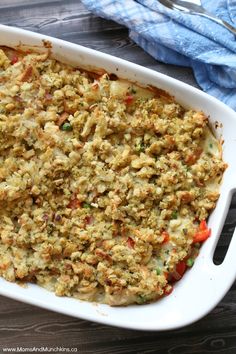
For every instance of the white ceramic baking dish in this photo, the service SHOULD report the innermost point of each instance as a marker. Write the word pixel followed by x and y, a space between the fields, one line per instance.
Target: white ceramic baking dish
pixel 205 284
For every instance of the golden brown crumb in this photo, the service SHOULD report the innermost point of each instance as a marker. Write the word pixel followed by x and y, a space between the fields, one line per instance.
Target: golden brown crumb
pixel 102 183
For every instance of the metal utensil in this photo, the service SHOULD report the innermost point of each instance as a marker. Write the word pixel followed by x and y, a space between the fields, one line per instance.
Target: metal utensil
pixel 194 7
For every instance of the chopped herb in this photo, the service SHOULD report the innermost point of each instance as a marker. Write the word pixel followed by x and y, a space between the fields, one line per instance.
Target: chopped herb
pixel 158 271
pixel 50 228
pixel 86 205
pixel 41 70
pixel 140 147
pixel 142 299
pixel 66 127
pixel 211 145
pixel 133 90
pixel 190 262
pixel 174 215
pixel 185 231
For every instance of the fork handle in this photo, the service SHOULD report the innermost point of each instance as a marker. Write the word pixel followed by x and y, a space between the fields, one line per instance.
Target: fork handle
pixel 218 20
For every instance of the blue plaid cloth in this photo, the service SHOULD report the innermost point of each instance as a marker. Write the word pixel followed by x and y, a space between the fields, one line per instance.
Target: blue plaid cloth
pixel 177 38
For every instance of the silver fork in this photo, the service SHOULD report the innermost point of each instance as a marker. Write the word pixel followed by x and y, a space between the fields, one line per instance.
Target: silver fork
pixel 195 7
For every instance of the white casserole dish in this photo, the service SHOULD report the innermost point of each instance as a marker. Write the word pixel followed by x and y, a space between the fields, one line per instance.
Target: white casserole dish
pixel 205 284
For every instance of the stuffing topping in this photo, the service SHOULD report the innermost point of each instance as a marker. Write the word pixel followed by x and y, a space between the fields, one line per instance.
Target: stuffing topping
pixel 105 186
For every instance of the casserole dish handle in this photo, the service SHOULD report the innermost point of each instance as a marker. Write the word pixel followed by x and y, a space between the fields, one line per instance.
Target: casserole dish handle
pixel 227 269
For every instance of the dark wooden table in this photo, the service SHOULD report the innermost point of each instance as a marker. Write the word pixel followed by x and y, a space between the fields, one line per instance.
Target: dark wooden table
pixel 25 326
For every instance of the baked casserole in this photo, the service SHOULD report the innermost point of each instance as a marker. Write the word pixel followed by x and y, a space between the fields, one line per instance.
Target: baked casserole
pixel 105 186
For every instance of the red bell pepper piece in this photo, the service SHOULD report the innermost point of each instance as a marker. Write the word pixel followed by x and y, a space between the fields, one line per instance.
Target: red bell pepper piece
pixel 128 99
pixel 203 232
pixel 168 290
pixel 180 268
pixel 166 237
pixel 14 59
pixel 201 235
pixel 203 225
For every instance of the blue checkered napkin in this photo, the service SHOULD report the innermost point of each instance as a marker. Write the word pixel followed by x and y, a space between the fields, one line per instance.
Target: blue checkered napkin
pixel 177 38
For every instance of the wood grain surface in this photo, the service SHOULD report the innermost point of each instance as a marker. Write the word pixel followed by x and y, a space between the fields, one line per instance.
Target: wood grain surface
pixel 25 326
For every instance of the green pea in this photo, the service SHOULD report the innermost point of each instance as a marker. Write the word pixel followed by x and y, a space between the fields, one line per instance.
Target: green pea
pixel 174 215
pixel 140 147
pixel 86 205
pixel 66 127
pixel 190 262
